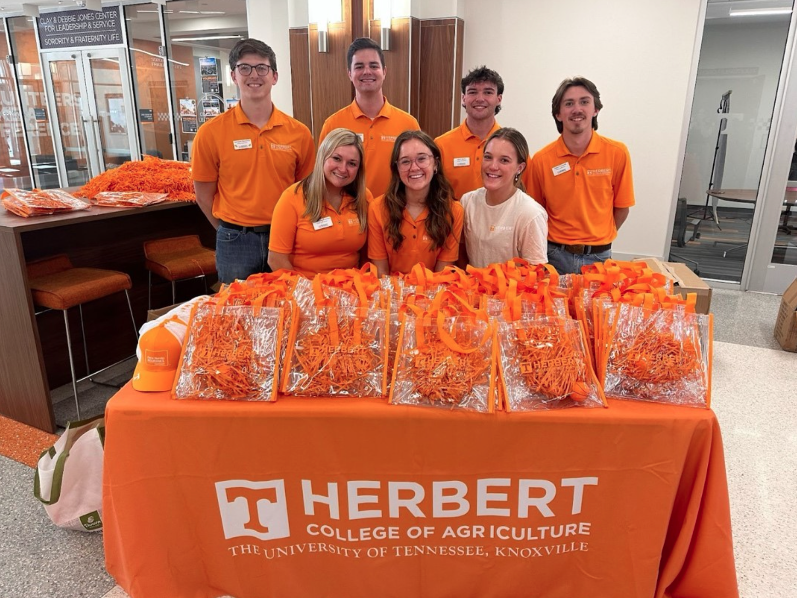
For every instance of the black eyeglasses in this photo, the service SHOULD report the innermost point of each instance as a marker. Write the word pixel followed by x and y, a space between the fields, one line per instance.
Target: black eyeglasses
pixel 246 69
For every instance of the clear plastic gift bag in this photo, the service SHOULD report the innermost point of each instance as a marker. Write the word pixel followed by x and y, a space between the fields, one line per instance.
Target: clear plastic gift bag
pixel 232 353
pixel 661 355
pixel 40 203
pixel 128 199
pixel 545 365
pixel 338 351
pixel 445 361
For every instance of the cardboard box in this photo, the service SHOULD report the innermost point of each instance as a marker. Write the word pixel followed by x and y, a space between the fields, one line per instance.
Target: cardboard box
pixel 685 281
pixel 786 324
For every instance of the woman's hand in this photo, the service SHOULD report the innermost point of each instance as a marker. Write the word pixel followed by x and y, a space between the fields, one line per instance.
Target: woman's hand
pixel 382 267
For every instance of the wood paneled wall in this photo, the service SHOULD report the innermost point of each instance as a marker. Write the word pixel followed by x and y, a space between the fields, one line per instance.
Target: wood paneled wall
pixel 330 87
pixel 300 75
pixel 424 66
pixel 397 61
pixel 415 67
pixel 438 81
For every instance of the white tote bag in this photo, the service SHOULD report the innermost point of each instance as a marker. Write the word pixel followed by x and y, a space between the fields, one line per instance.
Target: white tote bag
pixel 69 476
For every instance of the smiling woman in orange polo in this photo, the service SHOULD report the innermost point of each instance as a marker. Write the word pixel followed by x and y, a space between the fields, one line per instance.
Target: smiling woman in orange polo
pixel 320 223
pixel 417 220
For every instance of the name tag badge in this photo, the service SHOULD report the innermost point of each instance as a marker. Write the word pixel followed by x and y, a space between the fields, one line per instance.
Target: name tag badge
pixel 362 137
pixel 325 222
pixel 563 167
pixel 462 161
pixel 240 144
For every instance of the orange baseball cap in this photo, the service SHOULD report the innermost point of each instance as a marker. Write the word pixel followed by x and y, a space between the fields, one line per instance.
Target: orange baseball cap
pixel 160 349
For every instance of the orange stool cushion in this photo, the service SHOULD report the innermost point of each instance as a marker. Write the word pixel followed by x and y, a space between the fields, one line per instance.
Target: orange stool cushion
pixel 74 286
pixel 179 257
pixel 48 265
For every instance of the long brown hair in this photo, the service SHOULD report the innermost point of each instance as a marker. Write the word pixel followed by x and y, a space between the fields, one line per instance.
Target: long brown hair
pixel 314 183
pixel 440 221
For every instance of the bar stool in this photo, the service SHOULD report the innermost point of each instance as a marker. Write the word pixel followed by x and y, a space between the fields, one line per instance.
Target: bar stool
pixel 178 258
pixel 56 284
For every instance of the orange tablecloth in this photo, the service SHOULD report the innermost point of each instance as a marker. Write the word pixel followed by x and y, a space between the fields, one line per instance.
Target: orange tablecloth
pixel 356 498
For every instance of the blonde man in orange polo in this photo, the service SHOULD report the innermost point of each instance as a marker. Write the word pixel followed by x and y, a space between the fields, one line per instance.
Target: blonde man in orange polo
pixel 244 159
pixel 370 115
pixel 462 148
pixel 583 180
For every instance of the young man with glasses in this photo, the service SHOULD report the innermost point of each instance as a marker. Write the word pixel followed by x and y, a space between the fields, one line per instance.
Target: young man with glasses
pixel 370 115
pixel 244 159
pixel 462 148
pixel 583 180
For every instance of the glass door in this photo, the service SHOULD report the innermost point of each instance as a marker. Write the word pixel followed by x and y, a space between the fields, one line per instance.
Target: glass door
pixel 89 96
pixel 774 240
pixel 735 110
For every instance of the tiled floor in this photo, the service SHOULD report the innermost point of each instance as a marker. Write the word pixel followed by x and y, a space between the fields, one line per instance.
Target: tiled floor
pixel 754 390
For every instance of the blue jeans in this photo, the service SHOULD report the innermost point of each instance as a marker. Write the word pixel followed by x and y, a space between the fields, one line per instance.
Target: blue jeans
pixel 569 263
pixel 239 253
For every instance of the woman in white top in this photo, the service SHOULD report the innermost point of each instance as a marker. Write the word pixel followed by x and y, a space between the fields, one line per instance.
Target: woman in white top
pixel 501 221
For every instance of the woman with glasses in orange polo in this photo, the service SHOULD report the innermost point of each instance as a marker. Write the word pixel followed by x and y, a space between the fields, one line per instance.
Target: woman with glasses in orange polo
pixel 417 220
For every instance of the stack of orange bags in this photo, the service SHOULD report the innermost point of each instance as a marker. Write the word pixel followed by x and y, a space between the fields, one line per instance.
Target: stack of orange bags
pixel 127 199
pixel 40 203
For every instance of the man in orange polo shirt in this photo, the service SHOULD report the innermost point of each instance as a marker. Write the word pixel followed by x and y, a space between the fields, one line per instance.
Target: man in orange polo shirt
pixel 461 148
pixel 370 115
pixel 244 159
pixel 583 180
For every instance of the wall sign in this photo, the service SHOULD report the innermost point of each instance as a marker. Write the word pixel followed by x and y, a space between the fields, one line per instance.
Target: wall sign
pixel 79 28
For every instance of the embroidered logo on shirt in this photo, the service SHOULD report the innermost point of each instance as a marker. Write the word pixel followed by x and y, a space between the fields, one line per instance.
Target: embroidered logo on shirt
pixel 600 172
pixel 354 222
pixel 390 138
pixel 280 147
pixel 501 229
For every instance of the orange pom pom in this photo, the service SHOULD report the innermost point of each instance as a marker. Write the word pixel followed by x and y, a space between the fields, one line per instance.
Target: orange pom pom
pixel 580 391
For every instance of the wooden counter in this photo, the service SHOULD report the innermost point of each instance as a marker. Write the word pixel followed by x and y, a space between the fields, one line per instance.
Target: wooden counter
pixel 33 351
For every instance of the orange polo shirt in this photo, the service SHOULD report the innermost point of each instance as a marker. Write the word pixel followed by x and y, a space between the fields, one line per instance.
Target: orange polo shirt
pixel 580 192
pixel 314 247
pixel 251 166
pixel 377 136
pixel 461 155
pixel 416 246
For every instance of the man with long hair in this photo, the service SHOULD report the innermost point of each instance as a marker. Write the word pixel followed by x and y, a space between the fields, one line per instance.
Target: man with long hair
pixel 583 180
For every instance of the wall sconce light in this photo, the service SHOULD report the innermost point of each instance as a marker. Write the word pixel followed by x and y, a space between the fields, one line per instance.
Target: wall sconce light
pixel 323 35
pixel 322 13
pixel 383 13
pixel 384 35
